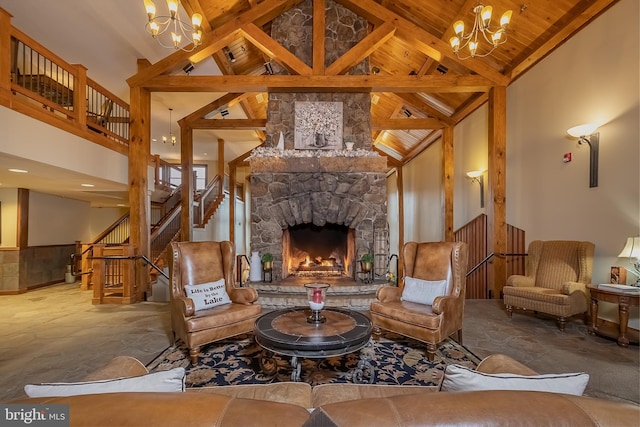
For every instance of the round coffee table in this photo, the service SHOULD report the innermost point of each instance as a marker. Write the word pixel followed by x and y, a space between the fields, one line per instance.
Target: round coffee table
pixel 287 332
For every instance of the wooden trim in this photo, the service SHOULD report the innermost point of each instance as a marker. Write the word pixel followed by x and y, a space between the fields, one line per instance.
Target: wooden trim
pixel 275 50
pixel 340 83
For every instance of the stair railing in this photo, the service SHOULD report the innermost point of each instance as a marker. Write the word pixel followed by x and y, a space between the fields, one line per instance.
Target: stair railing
pixel 206 203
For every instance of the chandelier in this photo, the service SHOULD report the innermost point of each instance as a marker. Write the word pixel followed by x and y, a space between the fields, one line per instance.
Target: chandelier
pixel 481 24
pixel 158 25
pixel 171 137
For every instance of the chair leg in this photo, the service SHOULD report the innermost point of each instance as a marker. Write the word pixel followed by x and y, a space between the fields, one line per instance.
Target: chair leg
pixel 193 355
pixel 509 311
pixel 431 351
pixel 459 336
pixel 562 321
pixel 376 333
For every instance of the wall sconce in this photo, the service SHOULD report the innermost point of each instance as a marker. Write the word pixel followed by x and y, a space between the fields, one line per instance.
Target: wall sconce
pixel 585 134
pixel 477 176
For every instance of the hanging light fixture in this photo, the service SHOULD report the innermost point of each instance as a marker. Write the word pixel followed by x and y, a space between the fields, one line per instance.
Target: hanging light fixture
pixel 158 25
pixel 481 24
pixel 171 137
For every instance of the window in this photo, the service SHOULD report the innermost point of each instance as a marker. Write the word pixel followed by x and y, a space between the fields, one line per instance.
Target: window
pixel 200 171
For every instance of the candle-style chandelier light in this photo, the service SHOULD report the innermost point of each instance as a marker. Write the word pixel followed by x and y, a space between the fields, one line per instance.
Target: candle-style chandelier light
pixel 157 26
pixel 481 25
pixel 171 137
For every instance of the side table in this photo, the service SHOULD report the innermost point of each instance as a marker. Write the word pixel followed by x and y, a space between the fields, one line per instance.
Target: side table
pixel 623 299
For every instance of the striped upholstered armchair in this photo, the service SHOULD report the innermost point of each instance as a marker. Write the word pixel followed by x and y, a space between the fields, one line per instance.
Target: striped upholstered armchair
pixel 557 273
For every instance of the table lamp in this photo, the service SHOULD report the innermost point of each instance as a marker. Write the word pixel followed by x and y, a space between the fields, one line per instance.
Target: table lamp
pixel 632 250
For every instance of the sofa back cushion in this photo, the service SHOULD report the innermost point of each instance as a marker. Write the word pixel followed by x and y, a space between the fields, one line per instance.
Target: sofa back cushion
pixel 558 263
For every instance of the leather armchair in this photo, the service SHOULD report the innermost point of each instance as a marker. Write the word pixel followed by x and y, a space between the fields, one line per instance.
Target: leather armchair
pixel 201 262
pixel 430 324
pixel 555 283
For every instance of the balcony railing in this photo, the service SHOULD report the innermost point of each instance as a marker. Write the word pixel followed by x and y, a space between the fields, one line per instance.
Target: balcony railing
pixel 37 82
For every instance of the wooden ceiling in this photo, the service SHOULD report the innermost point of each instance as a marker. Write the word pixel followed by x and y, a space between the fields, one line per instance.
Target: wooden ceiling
pixel 417 84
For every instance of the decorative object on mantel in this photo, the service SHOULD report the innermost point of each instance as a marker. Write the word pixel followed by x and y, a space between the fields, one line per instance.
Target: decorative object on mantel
pixel 280 145
pixel 632 250
pixel 318 125
pixel 481 25
pixel 348 142
pixel 293 154
pixel 159 25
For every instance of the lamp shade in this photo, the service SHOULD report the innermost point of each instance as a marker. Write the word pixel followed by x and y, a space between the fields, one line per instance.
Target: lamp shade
pixel 582 130
pixel 631 248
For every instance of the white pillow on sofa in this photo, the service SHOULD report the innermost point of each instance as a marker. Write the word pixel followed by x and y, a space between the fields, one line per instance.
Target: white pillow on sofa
pixel 423 291
pixel 208 295
pixel 461 378
pixel 163 381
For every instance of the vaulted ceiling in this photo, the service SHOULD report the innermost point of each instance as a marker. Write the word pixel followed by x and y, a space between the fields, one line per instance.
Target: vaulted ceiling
pixel 417 84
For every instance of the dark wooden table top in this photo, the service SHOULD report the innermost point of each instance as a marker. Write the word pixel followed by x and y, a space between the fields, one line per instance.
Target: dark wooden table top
pixel 287 332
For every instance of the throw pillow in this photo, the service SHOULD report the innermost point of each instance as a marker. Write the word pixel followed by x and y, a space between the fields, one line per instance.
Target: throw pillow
pixel 423 291
pixel 461 378
pixel 171 380
pixel 208 295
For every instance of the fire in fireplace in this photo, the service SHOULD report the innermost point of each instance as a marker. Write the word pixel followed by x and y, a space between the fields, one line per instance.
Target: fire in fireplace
pixel 312 251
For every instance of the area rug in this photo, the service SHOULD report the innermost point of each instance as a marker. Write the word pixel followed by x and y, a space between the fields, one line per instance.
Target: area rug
pixel 397 360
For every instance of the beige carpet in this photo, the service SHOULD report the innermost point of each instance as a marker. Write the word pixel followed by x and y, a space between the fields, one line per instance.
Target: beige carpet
pixel 56 334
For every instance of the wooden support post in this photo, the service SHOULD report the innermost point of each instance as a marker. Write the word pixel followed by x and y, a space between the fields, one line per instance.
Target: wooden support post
pixel 497 207
pixel 232 205
pixel 400 222
pixel 221 165
pixel 5 55
pixel 188 184
pixel 447 180
pixel 80 96
pixel 139 198
pixel 319 25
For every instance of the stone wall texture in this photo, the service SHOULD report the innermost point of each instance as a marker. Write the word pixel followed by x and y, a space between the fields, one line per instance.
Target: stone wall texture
pixel 339 189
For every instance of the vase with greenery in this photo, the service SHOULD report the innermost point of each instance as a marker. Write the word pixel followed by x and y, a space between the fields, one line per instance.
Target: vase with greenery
pixel 366 262
pixel 267 261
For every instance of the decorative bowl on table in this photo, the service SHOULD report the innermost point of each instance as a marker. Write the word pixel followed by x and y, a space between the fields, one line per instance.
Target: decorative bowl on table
pixel 316 296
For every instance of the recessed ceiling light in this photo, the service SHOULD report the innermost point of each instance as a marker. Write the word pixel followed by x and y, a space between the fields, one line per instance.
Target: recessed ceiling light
pixel 87 185
pixel 18 170
pixel 154 139
pixel 120 205
pixel 204 154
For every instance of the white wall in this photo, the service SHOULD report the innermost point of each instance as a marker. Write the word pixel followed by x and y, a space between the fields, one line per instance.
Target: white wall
pixel 100 219
pixel 423 197
pixel 56 220
pixel 591 78
pixel 8 217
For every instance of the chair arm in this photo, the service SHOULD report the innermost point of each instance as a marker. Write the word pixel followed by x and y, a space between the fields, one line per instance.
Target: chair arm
pixel 502 364
pixel 569 288
pixel 519 281
pixel 444 304
pixel 243 295
pixel 186 306
pixel 388 293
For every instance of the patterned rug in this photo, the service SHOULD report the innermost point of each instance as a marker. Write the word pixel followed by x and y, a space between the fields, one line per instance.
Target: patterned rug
pixel 396 360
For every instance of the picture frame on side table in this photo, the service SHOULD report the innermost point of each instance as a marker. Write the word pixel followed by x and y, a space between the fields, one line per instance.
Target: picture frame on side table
pixel 618 275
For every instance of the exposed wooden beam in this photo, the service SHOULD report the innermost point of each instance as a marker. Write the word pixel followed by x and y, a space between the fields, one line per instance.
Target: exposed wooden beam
pixel 341 83
pixel 211 107
pixel 472 104
pixel 419 37
pixel 422 145
pixel 420 104
pixel 405 124
pixel 362 49
pixel 275 50
pixel 214 40
pixel 319 27
pixel 230 124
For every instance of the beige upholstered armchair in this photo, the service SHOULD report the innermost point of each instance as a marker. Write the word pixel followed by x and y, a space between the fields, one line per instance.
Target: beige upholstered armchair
pixel 557 273
pixel 200 263
pixel 424 315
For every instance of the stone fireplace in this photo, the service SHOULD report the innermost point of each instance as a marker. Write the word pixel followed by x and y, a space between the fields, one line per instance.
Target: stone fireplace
pixel 317 210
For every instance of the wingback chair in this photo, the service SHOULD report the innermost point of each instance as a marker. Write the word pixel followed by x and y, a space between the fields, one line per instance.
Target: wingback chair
pixel 555 281
pixel 429 323
pixel 194 263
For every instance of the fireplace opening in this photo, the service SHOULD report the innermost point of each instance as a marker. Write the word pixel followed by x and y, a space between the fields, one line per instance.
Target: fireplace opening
pixel 317 251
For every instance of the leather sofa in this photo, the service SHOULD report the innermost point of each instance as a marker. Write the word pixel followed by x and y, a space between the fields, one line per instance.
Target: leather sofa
pixel 289 404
